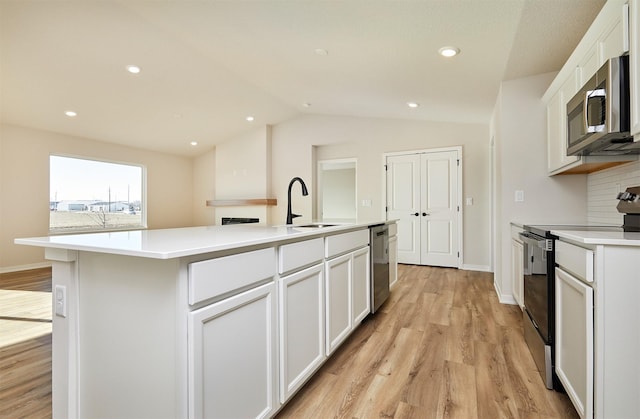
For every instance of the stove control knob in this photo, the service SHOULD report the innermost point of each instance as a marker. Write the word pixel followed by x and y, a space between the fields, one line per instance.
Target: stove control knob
pixel 632 197
pixel 625 196
pixel 620 195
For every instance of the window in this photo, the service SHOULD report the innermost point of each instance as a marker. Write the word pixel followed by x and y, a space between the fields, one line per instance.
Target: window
pixel 91 195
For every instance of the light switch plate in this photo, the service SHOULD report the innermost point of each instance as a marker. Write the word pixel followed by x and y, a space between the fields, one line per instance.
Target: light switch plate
pixel 519 196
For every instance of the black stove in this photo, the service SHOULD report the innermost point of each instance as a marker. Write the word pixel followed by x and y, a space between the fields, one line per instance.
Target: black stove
pixel 539 292
pixel 544 230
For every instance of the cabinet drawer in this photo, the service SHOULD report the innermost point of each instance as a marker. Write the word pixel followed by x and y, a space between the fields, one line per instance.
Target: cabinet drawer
pixel 575 259
pixel 297 255
pixel 214 277
pixel 342 243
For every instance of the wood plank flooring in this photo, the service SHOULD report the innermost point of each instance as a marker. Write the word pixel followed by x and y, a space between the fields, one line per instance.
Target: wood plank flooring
pixel 25 344
pixel 442 346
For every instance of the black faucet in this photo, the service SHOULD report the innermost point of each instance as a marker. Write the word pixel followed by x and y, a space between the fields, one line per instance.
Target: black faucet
pixel 290 215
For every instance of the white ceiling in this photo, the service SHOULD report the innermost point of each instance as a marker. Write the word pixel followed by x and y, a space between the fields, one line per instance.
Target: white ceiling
pixel 207 64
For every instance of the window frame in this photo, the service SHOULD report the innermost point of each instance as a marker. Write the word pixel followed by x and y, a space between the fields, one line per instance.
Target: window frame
pixel 143 196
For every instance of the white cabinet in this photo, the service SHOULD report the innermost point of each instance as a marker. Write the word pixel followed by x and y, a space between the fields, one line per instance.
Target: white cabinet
pixel 634 64
pixel 232 362
pixel 517 268
pixel 607 37
pixel 557 158
pixel 393 260
pixel 338 288
pixel 614 40
pixel 301 327
pixel 347 285
pixel 220 359
pixel 361 288
pixel 574 340
pixel 597 339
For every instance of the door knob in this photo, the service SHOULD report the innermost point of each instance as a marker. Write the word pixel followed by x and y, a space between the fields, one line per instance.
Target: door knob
pixel 424 214
pixel 416 214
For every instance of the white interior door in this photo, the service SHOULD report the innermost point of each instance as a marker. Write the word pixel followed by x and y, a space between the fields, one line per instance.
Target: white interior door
pixel 439 209
pixel 403 204
pixel 422 194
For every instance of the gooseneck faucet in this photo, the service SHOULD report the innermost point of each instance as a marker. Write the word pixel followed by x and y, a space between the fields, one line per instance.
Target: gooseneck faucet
pixel 290 215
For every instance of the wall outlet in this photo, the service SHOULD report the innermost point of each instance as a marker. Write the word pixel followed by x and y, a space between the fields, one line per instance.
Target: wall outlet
pixel 469 200
pixel 60 300
pixel 366 202
pixel 519 196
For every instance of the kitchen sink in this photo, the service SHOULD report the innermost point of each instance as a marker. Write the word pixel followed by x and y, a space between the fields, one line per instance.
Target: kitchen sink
pixel 314 225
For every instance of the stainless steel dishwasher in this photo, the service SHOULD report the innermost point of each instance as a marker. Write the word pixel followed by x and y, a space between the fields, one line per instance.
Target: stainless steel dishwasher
pixel 379 265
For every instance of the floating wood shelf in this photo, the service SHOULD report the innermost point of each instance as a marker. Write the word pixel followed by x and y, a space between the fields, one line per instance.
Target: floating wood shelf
pixel 241 202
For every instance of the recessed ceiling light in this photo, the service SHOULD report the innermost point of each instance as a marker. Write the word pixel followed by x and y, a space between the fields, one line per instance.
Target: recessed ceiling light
pixel 71 114
pixel 413 104
pixel 249 118
pixel 320 51
pixel 133 69
pixel 194 143
pixel 449 51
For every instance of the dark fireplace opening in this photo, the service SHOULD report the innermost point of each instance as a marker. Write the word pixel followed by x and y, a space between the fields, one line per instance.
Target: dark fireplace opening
pixel 236 220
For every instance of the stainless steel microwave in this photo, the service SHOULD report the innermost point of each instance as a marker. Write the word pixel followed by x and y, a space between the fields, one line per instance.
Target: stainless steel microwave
pixel 598 116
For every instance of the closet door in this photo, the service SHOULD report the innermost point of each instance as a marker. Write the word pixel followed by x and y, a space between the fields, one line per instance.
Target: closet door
pixel 439 209
pixel 403 204
pixel 422 194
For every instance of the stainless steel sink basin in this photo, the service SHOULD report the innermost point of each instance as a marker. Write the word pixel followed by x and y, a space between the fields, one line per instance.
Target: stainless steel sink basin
pixel 314 225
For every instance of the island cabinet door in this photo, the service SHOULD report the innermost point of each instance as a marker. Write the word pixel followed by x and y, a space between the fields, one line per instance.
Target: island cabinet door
pixel 338 301
pixel 232 356
pixel 361 297
pixel 301 328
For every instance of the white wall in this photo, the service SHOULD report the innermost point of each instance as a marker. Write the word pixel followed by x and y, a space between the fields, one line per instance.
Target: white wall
pixel 243 171
pixel 367 139
pixel 519 129
pixel 204 175
pixel 603 187
pixel 24 186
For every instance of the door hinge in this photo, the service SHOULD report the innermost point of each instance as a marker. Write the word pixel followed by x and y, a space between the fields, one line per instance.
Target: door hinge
pixel 386 209
pixel 458 208
pixel 458 254
pixel 458 162
pixel 386 168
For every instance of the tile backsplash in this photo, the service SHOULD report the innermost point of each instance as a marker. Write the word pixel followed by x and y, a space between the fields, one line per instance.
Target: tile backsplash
pixel 602 188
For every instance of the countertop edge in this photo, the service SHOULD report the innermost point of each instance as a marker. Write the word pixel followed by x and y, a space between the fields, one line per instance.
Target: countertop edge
pixel 285 236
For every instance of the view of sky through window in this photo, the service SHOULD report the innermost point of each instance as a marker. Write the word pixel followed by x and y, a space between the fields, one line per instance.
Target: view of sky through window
pixel 89 195
pixel 81 179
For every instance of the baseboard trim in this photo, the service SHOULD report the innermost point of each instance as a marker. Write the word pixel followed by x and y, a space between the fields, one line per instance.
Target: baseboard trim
pixel 28 267
pixel 481 268
pixel 504 299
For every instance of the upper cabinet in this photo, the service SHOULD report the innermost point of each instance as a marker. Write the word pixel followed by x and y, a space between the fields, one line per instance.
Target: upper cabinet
pixel 607 37
pixel 634 66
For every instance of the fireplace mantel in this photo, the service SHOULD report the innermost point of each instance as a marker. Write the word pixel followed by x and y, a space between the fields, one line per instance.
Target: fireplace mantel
pixel 242 202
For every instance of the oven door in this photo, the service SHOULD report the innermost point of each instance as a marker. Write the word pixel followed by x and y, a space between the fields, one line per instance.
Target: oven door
pixel 536 282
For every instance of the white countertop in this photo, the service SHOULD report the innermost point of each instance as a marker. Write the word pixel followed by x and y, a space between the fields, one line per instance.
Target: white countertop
pixel 609 238
pixel 179 242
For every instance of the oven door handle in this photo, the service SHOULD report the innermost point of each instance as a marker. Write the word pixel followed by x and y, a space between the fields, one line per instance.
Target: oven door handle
pixel 529 239
pixel 541 242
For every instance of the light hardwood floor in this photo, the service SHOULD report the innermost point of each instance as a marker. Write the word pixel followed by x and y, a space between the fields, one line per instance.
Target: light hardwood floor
pixel 25 344
pixel 442 346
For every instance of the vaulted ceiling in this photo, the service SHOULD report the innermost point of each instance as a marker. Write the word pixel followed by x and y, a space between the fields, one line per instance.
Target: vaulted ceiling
pixel 206 65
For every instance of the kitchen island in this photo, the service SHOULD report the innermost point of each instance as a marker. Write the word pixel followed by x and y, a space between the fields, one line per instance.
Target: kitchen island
pixel 219 321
